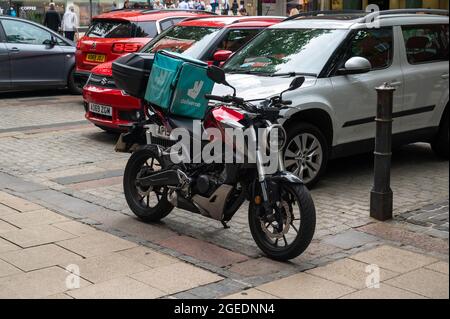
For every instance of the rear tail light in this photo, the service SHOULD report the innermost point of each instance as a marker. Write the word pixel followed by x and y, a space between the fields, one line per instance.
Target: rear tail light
pixel 126 47
pixel 78 45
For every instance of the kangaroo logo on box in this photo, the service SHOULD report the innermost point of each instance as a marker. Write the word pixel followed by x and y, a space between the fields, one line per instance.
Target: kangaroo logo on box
pixel 195 91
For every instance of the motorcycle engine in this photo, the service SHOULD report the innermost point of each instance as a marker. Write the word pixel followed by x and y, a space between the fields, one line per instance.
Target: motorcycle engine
pixel 205 185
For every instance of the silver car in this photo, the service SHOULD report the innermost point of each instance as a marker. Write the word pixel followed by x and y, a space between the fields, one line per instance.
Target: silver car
pixel 343 58
pixel 34 57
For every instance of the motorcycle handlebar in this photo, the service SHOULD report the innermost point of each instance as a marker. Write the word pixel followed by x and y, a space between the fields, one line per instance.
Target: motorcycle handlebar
pixel 225 99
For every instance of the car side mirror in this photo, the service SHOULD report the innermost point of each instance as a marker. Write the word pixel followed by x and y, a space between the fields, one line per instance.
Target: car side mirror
pixel 50 42
pixel 222 55
pixel 356 65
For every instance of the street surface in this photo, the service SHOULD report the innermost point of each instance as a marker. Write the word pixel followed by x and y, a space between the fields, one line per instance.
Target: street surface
pixel 51 157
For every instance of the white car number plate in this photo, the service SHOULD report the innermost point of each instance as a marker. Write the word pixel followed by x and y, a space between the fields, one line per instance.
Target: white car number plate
pixel 100 109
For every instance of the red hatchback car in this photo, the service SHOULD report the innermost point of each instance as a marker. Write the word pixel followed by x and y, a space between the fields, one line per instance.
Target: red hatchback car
pixel 115 33
pixel 212 39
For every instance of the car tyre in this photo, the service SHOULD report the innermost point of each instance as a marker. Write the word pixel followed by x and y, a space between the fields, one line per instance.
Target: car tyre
pixel 441 143
pixel 307 161
pixel 73 86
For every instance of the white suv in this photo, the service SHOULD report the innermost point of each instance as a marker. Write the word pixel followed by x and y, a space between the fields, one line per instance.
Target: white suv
pixel 343 59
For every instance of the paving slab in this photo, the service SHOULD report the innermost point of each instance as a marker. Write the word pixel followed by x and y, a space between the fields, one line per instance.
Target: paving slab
pixel 66 202
pixel 88 177
pixel 120 288
pixel 5 227
pixel 5 210
pixel 251 294
pixel 424 282
pixel 148 257
pixel 349 239
pixel 384 292
pixel 36 235
pixel 18 184
pixel 407 237
pixel 440 266
pixel 315 250
pixel 349 272
pixel 40 257
pixel 18 203
pixel 106 267
pixel 7 269
pixel 394 259
pixel 7 246
pixel 58 296
pixel 131 225
pixel 96 244
pixel 259 267
pixel 203 250
pixel 36 284
pixel 176 277
pixel 76 228
pixel 305 286
pixel 39 217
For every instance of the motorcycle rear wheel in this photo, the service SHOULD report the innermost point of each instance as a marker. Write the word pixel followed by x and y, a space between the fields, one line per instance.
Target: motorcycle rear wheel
pixel 297 203
pixel 150 205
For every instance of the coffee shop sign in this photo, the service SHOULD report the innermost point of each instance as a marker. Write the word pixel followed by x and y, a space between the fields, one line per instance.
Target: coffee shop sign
pixel 29 8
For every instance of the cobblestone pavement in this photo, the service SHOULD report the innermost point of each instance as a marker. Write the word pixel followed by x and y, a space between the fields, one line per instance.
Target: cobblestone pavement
pixel 70 167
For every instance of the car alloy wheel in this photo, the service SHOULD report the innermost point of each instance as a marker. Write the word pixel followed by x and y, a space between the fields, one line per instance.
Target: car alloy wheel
pixel 303 156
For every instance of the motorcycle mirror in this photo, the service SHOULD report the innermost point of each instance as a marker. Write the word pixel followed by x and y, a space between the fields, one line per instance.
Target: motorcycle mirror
pixel 216 74
pixel 296 83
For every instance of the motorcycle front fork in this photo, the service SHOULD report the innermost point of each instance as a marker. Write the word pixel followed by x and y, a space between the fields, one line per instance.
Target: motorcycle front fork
pixel 260 165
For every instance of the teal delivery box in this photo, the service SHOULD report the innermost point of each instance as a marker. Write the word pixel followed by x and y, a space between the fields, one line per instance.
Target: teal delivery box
pixel 178 85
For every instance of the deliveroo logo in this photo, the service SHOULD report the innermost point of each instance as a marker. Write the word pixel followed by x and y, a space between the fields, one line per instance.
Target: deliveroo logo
pixel 195 91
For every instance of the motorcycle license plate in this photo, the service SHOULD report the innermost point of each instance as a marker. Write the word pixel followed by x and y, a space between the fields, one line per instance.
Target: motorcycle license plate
pixel 100 109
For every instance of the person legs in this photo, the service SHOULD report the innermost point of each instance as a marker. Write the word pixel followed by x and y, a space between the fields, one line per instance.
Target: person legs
pixel 70 35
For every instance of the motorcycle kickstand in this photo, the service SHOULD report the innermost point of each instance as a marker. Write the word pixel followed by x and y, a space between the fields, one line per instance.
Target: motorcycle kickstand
pixel 224 224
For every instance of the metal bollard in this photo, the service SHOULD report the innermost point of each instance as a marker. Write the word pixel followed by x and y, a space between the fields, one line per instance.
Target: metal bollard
pixel 381 196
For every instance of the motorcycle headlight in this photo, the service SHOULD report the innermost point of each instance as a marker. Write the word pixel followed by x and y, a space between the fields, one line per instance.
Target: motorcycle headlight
pixel 275 138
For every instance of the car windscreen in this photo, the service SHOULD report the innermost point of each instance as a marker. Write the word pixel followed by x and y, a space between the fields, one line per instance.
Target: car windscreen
pixel 279 51
pixel 191 41
pixel 122 29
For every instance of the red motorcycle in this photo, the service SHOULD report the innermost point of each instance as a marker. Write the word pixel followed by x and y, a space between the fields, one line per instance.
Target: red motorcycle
pixel 281 212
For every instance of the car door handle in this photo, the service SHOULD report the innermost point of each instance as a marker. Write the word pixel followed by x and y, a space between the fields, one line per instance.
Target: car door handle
pixel 396 83
pixel 444 76
pixel 14 49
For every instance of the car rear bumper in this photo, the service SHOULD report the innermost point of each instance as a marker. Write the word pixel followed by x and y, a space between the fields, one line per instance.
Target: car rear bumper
pixel 125 109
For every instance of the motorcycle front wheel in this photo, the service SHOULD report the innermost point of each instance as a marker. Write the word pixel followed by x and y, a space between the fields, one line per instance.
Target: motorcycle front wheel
pixel 289 230
pixel 147 203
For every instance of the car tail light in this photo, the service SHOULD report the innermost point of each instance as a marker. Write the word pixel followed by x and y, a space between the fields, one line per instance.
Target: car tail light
pixel 78 45
pixel 126 47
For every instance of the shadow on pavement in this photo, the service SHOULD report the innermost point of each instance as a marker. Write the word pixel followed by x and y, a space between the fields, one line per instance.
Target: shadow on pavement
pixel 32 94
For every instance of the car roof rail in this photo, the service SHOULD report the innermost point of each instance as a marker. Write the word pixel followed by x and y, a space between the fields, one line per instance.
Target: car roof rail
pixel 326 13
pixel 355 14
pixel 375 14
pixel 179 10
